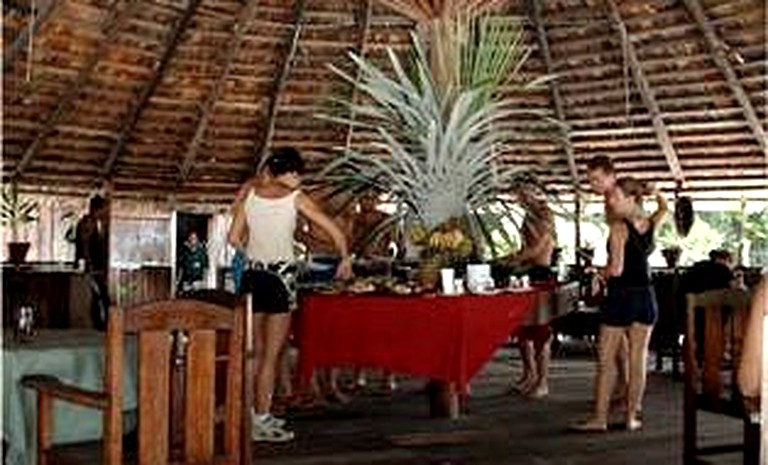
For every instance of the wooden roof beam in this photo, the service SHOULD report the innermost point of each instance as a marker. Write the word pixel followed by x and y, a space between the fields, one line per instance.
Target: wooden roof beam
pixel 363 18
pixel 129 124
pixel 649 100
pixel 21 42
pixel 246 16
pixel 534 11
pixel 300 8
pixel 119 13
pixel 718 55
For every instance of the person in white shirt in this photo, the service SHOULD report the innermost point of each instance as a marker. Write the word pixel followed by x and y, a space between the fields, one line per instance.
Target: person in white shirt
pixel 264 224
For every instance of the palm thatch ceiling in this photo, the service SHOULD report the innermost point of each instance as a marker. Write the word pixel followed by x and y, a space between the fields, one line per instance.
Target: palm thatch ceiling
pixel 181 97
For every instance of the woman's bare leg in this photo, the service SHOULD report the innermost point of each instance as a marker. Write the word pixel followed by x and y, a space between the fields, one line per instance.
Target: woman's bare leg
pixel 639 337
pixel 605 377
pixel 271 330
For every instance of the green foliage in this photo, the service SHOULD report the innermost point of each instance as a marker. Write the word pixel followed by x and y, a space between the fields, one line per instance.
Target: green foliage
pixel 435 118
pixel 16 210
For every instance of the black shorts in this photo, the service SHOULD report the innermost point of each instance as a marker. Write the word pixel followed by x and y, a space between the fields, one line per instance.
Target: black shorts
pixel 272 285
pixel 623 306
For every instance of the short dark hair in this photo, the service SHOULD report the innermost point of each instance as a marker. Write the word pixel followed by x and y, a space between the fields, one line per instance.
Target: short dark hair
pixel 720 254
pixel 601 162
pixel 285 160
pixel 96 203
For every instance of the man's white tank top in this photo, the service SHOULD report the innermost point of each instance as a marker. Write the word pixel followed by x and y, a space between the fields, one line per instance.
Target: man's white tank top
pixel 271 226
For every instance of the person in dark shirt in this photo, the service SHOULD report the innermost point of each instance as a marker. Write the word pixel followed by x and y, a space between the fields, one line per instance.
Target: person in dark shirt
pixel 708 275
pixel 91 254
pixel 629 308
pixel 193 263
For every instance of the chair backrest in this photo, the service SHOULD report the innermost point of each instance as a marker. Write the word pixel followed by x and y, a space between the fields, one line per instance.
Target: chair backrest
pixel 154 326
pixel 212 296
pixel 720 331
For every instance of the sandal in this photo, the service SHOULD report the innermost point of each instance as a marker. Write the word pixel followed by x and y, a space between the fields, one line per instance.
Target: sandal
pixel 590 426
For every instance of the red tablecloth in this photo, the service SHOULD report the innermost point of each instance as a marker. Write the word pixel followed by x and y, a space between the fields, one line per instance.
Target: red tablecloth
pixel 447 338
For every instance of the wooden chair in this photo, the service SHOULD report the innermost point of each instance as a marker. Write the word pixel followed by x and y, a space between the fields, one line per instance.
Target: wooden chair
pixel 710 374
pixel 154 324
pixel 231 300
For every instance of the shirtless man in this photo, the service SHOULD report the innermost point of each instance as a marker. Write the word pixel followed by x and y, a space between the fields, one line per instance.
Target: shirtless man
pixel 602 179
pixel 535 258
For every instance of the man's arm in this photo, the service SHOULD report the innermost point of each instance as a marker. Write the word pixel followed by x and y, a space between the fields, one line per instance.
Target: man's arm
pixel 616 242
pixel 658 216
pixel 307 207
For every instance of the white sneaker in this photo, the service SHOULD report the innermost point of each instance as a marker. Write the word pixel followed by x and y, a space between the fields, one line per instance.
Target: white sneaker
pixel 268 431
pixel 269 419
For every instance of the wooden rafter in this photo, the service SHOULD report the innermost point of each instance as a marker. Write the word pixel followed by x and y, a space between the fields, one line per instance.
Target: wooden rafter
pixel 20 43
pixel 364 20
pixel 246 16
pixel 534 10
pixel 426 10
pixel 279 82
pixel 649 100
pixel 718 55
pixel 118 14
pixel 129 124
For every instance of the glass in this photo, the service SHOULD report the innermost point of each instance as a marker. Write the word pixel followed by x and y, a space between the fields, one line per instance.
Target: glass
pixel 26 324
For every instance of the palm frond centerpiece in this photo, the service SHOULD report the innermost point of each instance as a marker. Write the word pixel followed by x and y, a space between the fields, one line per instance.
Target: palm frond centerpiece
pixel 435 118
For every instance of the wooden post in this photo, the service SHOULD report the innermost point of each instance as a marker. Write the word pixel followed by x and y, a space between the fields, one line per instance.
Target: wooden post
pixel 138 107
pixel 764 395
pixel 118 14
pixel 534 11
pixel 279 83
pixel 649 100
pixel 718 56
pixel 20 43
pixel 364 19
pixel 245 18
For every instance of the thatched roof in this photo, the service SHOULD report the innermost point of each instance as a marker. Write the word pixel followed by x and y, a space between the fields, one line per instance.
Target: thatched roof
pixel 180 97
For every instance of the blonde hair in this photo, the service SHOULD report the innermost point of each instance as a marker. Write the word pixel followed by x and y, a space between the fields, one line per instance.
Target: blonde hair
pixel 633 188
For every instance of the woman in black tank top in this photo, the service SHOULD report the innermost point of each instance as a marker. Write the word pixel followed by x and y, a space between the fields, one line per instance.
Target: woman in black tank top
pixel 629 309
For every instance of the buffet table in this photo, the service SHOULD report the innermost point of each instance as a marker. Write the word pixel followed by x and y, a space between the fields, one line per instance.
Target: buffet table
pixel 444 338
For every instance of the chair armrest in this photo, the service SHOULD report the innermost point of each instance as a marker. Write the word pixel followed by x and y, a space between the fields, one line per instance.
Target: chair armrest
pixel 52 386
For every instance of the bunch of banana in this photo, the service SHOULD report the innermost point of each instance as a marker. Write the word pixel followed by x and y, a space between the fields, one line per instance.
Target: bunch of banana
pixel 453 239
pixel 418 234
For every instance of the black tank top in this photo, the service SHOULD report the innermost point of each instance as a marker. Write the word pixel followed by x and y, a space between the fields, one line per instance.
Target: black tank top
pixel 636 251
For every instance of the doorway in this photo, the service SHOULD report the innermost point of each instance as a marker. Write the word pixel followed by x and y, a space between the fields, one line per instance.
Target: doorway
pixel 186 224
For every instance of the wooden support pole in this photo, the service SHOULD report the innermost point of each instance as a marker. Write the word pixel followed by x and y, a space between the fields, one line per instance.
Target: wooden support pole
pixel 364 20
pixel 21 41
pixel 129 124
pixel 246 16
pixel 534 11
pixel 118 14
pixel 649 100
pixel 720 59
pixel 279 82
